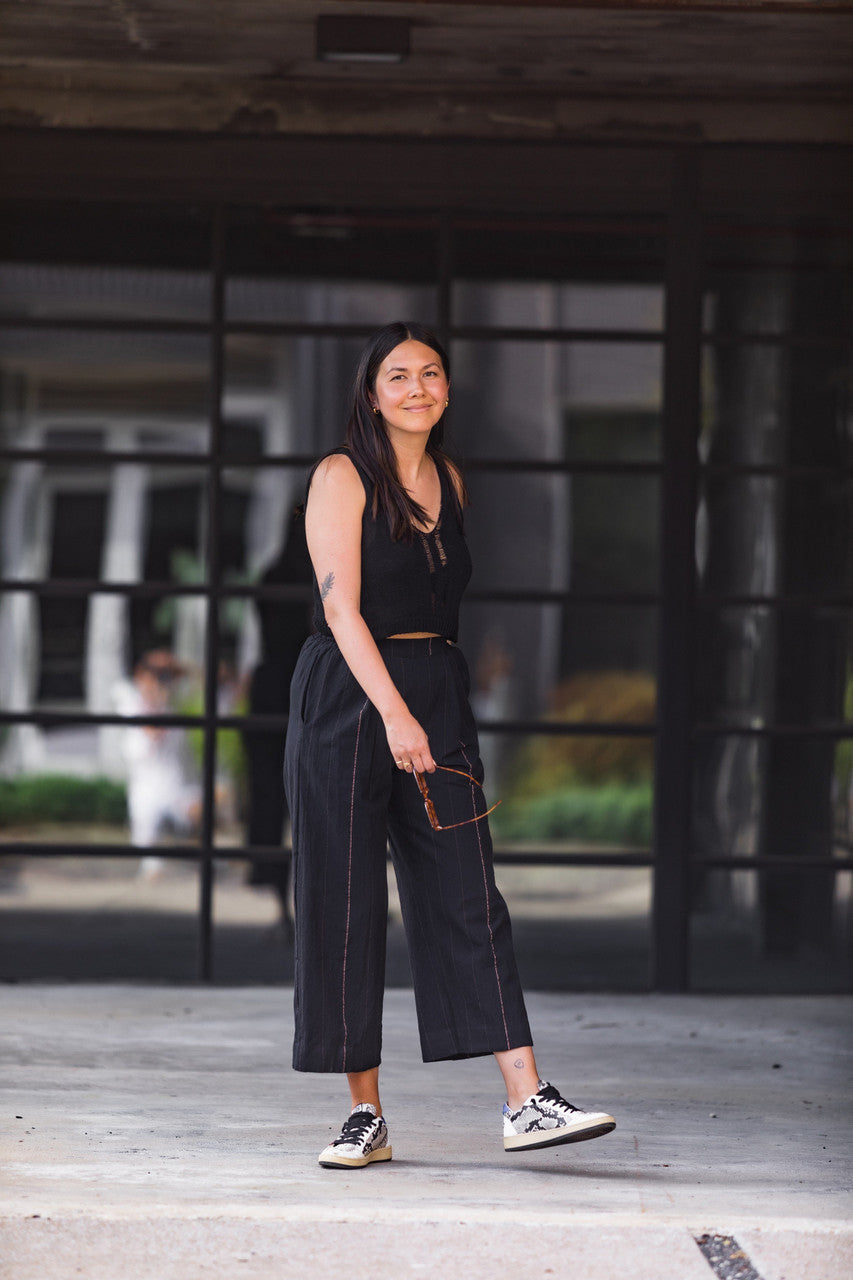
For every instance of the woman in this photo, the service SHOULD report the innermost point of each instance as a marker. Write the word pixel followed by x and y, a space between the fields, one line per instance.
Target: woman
pixel 382 747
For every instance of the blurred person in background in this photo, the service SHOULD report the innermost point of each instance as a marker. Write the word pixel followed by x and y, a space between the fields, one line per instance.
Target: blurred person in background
pixel 162 790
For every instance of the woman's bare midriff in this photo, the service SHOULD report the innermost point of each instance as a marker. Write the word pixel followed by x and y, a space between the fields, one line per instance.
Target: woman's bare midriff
pixel 415 635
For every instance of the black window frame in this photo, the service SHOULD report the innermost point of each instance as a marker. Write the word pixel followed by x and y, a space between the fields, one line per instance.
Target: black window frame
pixel 685 200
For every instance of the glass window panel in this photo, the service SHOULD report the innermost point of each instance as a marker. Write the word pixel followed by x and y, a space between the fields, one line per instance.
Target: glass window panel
pixel 83 783
pixel 818 535
pixel 286 394
pixel 127 262
pixel 523 274
pixel 579 793
pixel 55 788
pixel 79 918
pixel 259 641
pixel 556 401
pixel 330 269
pixel 250 768
pixel 108 784
pixel 76 652
pixel 102 390
pixel 780 796
pixel 774 301
pixel 776 929
pixel 611 637
pixel 732 947
pixel 125 522
pixel 553 660
pixel 757 666
pixel 574 928
pixel 763 535
pixel 580 928
pixel 252 942
pixel 583 533
pixel 774 405
pixel 260 636
pixel 262 531
pixel 551 304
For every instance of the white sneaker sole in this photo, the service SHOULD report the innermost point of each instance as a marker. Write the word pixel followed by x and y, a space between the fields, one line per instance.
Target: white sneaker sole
pixel 580 1132
pixel 354 1162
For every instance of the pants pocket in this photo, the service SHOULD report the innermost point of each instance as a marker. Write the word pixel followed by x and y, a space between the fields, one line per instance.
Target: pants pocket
pixel 462 670
pixel 305 679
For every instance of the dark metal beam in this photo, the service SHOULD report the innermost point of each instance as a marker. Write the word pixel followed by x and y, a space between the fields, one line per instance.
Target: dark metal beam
pixel 672 815
pixel 213 559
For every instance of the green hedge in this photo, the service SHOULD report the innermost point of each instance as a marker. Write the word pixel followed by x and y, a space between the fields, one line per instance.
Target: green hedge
pixel 614 813
pixel 54 797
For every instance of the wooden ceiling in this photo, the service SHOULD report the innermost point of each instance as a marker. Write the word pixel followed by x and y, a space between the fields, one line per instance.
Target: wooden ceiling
pixel 729 70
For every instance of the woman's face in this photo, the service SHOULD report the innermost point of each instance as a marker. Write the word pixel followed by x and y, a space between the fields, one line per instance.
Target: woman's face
pixel 411 389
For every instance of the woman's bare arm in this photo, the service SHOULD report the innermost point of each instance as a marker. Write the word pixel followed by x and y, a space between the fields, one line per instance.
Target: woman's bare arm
pixel 333 530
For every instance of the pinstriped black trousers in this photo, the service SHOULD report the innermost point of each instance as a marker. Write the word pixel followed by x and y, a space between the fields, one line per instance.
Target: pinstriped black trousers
pixel 348 801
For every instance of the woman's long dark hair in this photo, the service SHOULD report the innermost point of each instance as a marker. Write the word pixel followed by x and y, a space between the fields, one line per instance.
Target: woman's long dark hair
pixel 368 442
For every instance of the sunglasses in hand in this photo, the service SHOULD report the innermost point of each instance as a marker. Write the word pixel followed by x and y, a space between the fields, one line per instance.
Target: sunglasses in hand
pixel 421 780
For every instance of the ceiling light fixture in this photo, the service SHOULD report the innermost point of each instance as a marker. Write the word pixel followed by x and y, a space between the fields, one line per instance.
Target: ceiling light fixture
pixel 362 39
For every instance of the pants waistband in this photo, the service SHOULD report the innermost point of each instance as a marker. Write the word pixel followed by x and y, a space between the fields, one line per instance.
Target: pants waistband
pixel 425 644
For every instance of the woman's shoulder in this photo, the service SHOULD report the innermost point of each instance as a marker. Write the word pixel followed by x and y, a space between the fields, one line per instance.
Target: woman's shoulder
pixel 337 475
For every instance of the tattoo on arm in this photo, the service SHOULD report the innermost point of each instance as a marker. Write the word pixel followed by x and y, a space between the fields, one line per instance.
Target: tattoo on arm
pixel 326 585
pixel 519 1064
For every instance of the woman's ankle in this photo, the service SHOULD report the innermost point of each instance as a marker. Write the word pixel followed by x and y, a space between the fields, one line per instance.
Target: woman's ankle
pixel 516 1097
pixel 364 1088
pixel 520 1074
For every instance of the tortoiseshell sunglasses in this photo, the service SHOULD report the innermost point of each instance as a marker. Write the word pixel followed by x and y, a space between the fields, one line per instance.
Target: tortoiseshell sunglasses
pixel 420 779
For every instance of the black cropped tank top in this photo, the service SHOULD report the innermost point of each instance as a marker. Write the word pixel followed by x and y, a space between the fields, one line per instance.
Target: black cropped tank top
pixel 408 586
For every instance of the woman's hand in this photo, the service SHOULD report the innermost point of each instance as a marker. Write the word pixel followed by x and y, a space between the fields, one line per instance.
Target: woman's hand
pixel 408 743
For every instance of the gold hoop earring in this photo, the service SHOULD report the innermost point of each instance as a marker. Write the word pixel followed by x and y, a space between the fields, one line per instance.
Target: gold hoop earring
pixel 376 408
pixel 446 403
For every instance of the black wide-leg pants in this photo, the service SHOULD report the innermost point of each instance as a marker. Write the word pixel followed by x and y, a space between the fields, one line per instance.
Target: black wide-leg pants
pixel 347 801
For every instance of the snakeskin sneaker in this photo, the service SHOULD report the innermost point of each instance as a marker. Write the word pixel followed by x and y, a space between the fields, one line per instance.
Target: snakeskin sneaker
pixel 546 1119
pixel 363 1139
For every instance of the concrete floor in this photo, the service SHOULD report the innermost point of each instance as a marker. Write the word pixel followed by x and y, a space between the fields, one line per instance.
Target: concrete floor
pixel 158 1131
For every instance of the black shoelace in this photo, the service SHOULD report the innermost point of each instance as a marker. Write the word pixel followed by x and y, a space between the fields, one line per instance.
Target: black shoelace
pixel 355 1128
pixel 552 1095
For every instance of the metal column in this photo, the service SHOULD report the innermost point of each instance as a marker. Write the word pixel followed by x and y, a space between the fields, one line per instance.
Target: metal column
pixel 673 771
